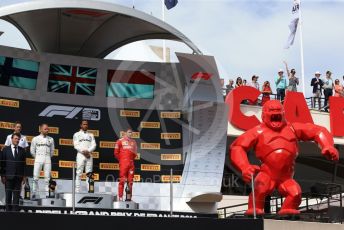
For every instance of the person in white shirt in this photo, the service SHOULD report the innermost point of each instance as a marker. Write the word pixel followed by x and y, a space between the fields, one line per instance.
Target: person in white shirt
pixel 42 149
pixel 84 144
pixel 22 142
pixel 254 82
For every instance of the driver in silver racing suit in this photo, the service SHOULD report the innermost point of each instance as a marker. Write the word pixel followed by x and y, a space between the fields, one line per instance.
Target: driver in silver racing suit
pixel 42 149
pixel 84 144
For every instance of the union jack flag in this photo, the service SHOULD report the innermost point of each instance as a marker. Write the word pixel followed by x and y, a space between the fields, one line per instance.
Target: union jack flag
pixel 72 79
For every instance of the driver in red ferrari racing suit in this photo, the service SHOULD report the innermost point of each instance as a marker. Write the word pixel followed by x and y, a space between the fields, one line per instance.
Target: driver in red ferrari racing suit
pixel 125 153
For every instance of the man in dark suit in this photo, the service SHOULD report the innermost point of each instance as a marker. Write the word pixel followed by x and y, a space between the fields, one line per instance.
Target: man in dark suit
pixel 13 161
pixel 317 84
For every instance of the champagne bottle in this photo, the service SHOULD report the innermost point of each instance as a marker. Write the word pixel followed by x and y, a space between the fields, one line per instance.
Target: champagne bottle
pixel 90 183
pixel 27 190
pixel 127 193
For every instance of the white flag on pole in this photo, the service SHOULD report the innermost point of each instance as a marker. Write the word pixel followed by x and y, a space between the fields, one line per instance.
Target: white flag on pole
pixel 293 24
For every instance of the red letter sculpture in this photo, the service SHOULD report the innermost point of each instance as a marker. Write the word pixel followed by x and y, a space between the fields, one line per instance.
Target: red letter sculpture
pixel 275 144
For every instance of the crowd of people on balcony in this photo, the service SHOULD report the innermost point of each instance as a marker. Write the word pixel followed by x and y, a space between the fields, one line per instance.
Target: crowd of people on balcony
pixel 322 88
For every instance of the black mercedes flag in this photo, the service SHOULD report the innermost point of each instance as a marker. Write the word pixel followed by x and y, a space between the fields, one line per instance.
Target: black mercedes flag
pixel 170 3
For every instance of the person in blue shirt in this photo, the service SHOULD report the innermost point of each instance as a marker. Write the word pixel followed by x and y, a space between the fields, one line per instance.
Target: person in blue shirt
pixel 281 85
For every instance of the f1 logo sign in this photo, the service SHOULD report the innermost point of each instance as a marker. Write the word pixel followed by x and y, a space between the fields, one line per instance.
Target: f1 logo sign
pixel 69 112
pixel 201 75
pixel 90 199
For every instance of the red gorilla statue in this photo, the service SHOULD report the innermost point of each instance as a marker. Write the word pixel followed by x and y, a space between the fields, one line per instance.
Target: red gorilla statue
pixel 275 144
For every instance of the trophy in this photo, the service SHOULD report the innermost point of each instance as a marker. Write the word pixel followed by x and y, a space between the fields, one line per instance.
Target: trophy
pixel 90 176
pixel 52 187
pixel 27 190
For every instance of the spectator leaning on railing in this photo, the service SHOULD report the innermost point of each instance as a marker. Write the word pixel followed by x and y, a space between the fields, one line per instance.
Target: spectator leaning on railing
pixel 328 89
pixel 281 84
pixel 317 84
pixel 338 89
pixel 254 84
pixel 293 80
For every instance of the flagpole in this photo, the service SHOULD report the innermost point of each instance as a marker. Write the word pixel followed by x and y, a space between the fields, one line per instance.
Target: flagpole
pixel 301 53
pixel 163 42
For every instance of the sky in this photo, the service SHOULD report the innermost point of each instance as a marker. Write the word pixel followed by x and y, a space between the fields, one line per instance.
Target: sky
pixel 247 37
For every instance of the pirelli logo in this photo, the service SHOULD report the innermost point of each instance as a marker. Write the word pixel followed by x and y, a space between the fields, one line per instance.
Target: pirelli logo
pixel 137 178
pixel 167 178
pixel 29 138
pixel 6 125
pixel 94 132
pixel 54 174
pixel 66 142
pixel 170 114
pixel 138 156
pixel 66 164
pixel 150 125
pixel 9 103
pixel 95 176
pixel 52 130
pixel 129 113
pixel 30 161
pixel 134 135
pixel 95 155
pixel 109 166
pixel 171 157
pixel 150 167
pixel 56 153
pixel 170 136
pixel 107 144
pixel 150 145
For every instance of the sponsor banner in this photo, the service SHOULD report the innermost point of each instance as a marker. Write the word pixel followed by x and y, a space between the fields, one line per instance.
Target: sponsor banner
pixel 29 138
pixel 66 142
pixel 150 125
pixel 30 161
pixel 54 174
pixel 167 178
pixel 150 145
pixel 107 144
pixel 138 156
pixel 52 130
pixel 56 153
pixel 94 132
pixel 134 135
pixel 9 103
pixel 95 155
pixel 170 136
pixel 170 115
pixel 95 176
pixel 150 167
pixel 137 178
pixel 66 164
pixel 129 113
pixel 109 166
pixel 120 213
pixel 6 125
pixel 171 157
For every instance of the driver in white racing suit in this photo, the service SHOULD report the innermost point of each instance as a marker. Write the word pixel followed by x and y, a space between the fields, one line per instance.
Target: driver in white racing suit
pixel 84 144
pixel 42 149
